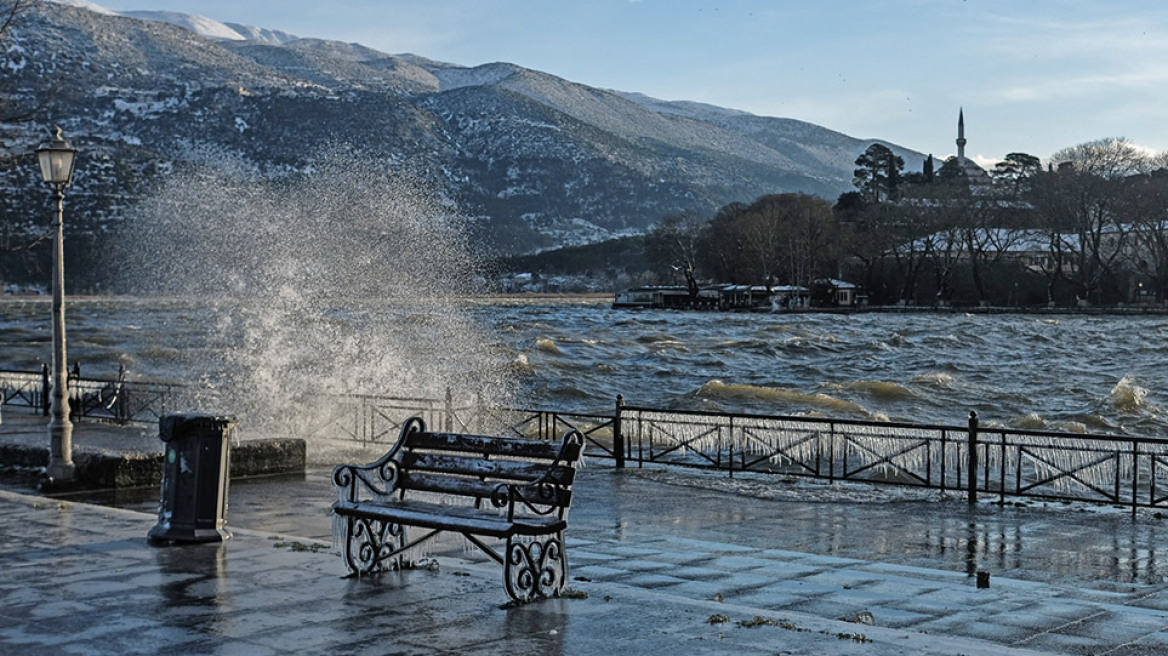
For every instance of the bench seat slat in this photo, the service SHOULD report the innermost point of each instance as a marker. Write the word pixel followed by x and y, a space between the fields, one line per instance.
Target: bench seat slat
pixel 465 487
pixel 479 444
pixel 511 470
pixel 462 519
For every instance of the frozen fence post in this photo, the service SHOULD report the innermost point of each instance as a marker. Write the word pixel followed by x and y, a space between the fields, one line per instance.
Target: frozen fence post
pixel 45 389
pixel 972 476
pixel 618 438
pixel 449 423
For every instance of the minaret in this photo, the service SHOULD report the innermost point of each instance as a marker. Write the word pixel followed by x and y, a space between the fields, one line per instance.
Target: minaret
pixel 961 138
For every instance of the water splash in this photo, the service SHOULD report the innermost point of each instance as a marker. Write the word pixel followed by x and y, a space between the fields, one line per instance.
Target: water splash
pixel 339 281
pixel 548 345
pixel 1127 396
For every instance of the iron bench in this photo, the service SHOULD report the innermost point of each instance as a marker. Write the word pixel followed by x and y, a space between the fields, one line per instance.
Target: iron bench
pixel 477 486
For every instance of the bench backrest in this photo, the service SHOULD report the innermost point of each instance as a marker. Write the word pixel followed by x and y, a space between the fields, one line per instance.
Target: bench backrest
pixel 475 466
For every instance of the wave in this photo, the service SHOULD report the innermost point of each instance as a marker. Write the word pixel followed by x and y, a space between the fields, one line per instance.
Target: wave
pixel 934 379
pixel 521 365
pixel 878 389
pixel 569 392
pixel 548 345
pixel 746 345
pixel 158 353
pixel 1032 421
pixel 658 339
pixel 742 392
pixel 1083 422
pixel 1127 396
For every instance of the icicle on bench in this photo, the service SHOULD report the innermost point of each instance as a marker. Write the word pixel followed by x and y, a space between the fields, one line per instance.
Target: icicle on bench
pixel 478 486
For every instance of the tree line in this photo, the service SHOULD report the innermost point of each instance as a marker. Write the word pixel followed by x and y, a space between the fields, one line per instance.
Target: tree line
pixel 1089 228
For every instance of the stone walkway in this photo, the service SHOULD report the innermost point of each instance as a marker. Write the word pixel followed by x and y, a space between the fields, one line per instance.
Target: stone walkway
pixel 658 557
pixel 81 579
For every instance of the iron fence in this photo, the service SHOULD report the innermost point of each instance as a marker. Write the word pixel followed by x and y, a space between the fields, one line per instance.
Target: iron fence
pixel 1130 471
pixel 1125 471
pixel 598 430
pixel 22 388
pixel 373 419
pixel 1119 470
pixel 875 452
pixel 110 400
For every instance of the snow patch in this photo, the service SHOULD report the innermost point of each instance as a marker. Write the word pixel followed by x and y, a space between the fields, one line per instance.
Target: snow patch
pixel 85 4
pixel 201 25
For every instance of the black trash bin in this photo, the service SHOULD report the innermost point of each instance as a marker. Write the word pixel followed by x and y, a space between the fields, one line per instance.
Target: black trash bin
pixel 195 471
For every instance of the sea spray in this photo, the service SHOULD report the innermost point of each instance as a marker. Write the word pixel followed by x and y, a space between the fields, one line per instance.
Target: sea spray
pixel 1127 396
pixel 339 281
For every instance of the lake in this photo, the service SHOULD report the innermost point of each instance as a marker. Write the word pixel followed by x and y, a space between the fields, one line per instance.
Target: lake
pixel 1095 373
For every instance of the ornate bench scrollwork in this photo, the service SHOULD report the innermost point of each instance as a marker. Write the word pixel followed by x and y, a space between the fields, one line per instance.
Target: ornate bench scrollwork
pixel 477 486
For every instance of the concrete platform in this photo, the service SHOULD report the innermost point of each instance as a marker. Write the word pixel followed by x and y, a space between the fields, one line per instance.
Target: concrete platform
pixel 81 579
pixel 113 456
pixel 662 560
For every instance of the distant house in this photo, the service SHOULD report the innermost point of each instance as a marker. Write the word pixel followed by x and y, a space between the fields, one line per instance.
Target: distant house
pixel 669 297
pixel 654 296
pixel 744 297
pixel 791 296
pixel 842 293
pixel 720 297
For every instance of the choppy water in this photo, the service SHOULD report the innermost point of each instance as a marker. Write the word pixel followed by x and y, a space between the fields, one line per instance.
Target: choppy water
pixel 1093 373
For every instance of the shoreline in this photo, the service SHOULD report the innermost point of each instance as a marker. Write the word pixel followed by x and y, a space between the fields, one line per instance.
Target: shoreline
pixel 606 299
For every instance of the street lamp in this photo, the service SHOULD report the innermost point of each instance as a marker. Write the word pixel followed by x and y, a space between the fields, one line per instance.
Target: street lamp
pixel 56 158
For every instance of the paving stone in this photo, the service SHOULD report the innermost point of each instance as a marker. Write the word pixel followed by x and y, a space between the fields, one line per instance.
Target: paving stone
pixel 83 573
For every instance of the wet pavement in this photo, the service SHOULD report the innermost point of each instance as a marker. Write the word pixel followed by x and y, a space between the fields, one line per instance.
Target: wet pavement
pixel 657 557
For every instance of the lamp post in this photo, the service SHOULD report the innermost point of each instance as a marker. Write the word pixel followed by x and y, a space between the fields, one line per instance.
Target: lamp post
pixel 56 159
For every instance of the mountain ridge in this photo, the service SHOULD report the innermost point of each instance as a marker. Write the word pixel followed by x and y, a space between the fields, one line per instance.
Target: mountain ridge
pixel 530 159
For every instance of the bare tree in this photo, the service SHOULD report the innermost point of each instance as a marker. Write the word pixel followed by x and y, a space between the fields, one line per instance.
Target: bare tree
pixel 777 239
pixel 18 241
pixel 1149 216
pixel 10 13
pixel 1085 207
pixel 671 248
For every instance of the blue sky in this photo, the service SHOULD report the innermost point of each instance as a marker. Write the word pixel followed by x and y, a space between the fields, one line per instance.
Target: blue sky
pixel 1033 76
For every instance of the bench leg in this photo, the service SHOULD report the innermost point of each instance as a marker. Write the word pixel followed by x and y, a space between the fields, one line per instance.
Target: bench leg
pixel 367 544
pixel 536 568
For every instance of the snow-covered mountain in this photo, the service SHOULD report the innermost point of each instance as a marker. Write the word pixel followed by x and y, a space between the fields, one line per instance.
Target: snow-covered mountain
pixel 533 159
pixel 201 25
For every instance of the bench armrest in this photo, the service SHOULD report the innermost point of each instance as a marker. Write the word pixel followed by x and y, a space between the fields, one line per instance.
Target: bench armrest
pixel 546 494
pixel 377 479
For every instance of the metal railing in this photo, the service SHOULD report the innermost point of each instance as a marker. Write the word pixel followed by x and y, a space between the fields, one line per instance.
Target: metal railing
pixel 1119 470
pixel 109 400
pixel 598 430
pixel 1127 471
pixel 875 452
pixel 22 388
pixel 373 419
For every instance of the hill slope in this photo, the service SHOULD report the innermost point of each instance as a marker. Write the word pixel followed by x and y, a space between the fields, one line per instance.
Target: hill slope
pixel 533 160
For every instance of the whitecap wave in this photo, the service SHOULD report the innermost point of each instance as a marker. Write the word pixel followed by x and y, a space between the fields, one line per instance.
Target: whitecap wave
pixel 781 396
pixel 877 389
pixel 1127 396
pixel 934 379
pixel 548 345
